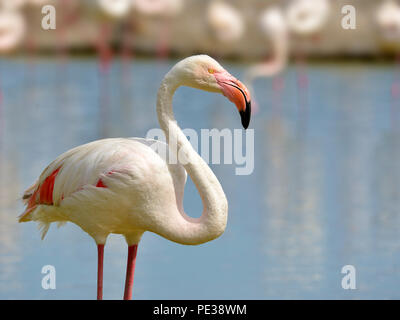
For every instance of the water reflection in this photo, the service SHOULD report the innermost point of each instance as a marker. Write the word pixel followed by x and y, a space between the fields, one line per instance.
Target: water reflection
pixel 356 137
pixel 386 186
pixel 292 221
pixel 11 254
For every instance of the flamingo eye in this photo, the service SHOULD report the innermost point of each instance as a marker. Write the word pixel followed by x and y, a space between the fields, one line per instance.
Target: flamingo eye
pixel 211 71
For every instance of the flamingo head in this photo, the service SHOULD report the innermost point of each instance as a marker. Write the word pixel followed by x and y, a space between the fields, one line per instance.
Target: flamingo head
pixel 204 73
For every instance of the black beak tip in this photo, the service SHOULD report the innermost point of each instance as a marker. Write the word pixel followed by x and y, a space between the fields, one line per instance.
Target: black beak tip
pixel 245 115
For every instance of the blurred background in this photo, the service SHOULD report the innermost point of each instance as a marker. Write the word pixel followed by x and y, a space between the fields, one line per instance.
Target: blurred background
pixel 325 191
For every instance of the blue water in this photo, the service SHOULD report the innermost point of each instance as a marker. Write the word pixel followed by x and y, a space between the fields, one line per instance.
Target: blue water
pixel 325 191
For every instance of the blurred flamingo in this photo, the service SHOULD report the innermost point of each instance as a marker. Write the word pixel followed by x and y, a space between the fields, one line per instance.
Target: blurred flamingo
pixel 12 29
pixel 388 21
pixel 274 28
pixel 305 19
pixel 115 8
pixel 164 11
pixel 112 10
pixel 124 186
pixel 225 21
pixel 12 4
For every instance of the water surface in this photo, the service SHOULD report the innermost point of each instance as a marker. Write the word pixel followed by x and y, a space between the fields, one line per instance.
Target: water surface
pixel 325 191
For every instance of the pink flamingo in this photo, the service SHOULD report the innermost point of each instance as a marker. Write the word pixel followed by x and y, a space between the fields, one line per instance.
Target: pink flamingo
pixel 124 186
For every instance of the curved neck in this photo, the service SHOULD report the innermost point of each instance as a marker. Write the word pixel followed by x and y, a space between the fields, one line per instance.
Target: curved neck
pixel 278 60
pixel 270 68
pixel 182 228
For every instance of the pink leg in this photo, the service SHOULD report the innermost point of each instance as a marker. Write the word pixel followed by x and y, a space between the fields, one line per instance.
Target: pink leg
pixel 100 255
pixel 130 271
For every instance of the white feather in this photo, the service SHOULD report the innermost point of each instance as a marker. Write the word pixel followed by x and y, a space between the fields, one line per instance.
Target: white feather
pixel 143 191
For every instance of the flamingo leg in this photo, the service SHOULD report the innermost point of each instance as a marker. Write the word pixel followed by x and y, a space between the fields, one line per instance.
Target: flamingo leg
pixel 130 271
pixel 100 256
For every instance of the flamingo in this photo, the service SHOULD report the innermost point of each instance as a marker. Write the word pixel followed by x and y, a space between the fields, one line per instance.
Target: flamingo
pixel 158 7
pixel 388 20
pixel 225 21
pixel 12 4
pixel 12 29
pixel 115 8
pixel 111 10
pixel 305 18
pixel 124 186
pixel 164 11
pixel 273 26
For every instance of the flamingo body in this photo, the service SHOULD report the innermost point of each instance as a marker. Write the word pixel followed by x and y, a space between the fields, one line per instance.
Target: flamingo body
pixel 105 187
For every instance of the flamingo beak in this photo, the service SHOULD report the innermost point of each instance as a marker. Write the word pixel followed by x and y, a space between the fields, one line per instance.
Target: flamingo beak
pixel 237 93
